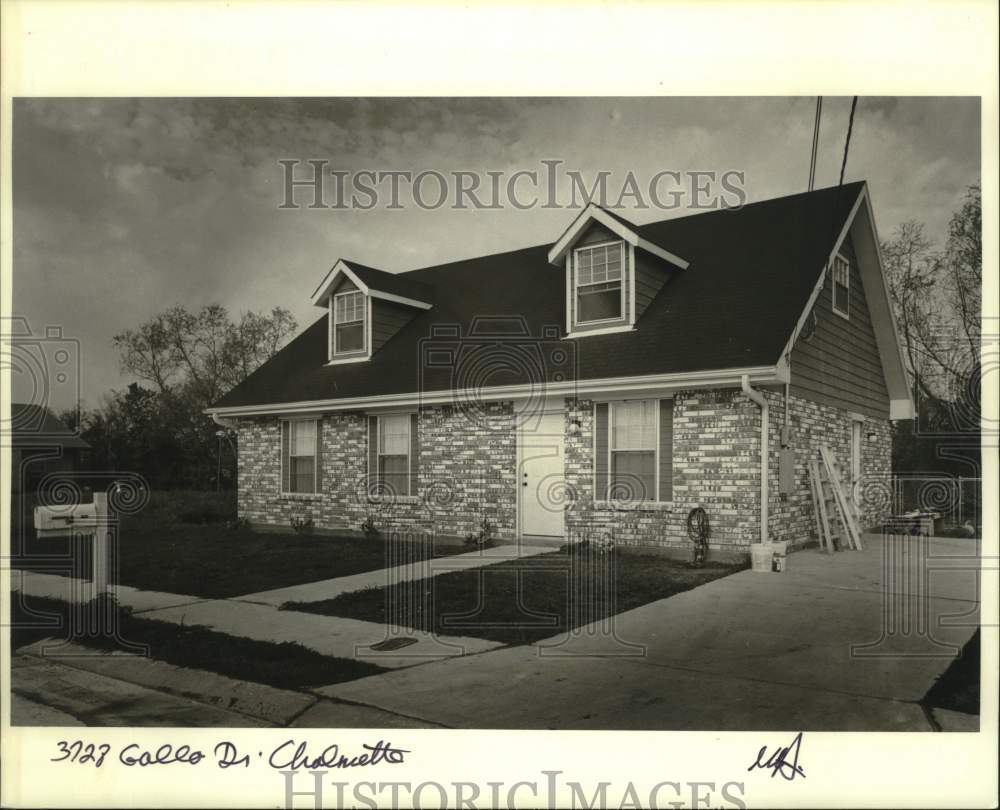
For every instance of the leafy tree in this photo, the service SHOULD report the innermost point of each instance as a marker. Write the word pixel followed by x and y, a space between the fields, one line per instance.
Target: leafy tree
pixel 185 361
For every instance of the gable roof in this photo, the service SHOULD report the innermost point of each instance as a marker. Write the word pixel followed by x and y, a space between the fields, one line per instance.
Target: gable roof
pixel 36 426
pixel 617 225
pixel 398 287
pixel 753 272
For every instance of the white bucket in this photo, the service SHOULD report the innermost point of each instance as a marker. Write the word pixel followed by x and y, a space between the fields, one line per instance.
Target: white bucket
pixel 762 555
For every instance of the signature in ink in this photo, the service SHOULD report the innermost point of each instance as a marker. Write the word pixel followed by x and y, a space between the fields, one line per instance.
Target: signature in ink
pixel 784 761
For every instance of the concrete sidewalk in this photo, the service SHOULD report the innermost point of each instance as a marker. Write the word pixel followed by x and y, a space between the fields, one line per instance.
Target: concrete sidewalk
pixel 822 646
pixel 77 686
pixel 67 589
pixel 331 588
pixel 327 635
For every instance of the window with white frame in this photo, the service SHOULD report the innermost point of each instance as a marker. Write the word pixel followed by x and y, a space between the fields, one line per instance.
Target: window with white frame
pixel 299 455
pixel 599 276
pixel 394 453
pixel 841 286
pixel 633 450
pixel 349 313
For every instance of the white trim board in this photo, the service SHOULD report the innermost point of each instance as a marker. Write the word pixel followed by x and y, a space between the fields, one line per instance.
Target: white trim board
pixel 658 385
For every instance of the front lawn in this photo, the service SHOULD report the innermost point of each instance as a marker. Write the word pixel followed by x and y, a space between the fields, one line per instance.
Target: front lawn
pixel 160 549
pixel 285 665
pixel 523 601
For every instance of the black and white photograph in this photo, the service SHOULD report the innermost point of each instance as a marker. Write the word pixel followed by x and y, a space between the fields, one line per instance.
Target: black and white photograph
pixel 342 423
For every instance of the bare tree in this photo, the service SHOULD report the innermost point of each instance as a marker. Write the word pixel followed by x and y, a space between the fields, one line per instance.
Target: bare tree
pixel 198 356
pixel 938 298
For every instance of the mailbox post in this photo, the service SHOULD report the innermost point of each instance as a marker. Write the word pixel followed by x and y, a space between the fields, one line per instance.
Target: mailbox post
pixel 99 558
pixel 82 519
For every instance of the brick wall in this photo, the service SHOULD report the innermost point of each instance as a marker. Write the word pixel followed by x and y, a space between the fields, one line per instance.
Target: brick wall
pixel 468 471
pixel 467 460
pixel 814 424
pixel 716 436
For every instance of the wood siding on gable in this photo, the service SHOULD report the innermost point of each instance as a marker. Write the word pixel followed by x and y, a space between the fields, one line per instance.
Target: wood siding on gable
pixel 387 319
pixel 344 285
pixel 840 364
pixel 650 276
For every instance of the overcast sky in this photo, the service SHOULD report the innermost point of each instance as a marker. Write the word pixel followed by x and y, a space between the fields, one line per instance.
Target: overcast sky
pixel 125 207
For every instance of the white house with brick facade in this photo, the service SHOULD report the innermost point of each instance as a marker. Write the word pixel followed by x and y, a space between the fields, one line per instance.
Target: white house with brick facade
pixel 600 385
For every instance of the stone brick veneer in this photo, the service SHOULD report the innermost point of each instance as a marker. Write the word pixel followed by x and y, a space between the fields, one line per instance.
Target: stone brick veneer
pixel 468 471
pixel 813 424
pixel 466 466
pixel 716 436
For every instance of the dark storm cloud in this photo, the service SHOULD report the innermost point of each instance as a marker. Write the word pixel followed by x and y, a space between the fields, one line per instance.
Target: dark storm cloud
pixel 124 207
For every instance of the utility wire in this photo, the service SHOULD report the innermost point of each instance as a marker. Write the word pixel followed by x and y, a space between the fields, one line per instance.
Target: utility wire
pixel 812 160
pixel 847 143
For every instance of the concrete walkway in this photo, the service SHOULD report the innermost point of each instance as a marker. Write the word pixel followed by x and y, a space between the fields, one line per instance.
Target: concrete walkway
pixel 331 588
pixel 327 635
pixel 822 646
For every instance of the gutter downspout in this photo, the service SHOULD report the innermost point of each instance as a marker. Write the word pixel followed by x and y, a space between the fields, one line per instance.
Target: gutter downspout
pixel 229 424
pixel 758 397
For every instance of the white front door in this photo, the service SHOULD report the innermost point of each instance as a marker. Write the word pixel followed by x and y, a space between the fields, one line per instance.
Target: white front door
pixel 541 475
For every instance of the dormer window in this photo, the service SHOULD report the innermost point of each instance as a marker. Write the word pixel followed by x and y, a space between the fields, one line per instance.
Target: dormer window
pixel 600 292
pixel 350 310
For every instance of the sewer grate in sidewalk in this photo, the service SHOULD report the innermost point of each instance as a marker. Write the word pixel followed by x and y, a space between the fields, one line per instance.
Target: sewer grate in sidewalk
pixel 391 644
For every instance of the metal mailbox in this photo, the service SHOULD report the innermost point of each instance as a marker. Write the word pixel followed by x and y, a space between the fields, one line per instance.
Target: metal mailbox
pixel 81 518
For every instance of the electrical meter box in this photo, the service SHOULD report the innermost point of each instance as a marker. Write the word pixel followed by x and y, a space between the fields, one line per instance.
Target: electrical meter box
pixel 786 471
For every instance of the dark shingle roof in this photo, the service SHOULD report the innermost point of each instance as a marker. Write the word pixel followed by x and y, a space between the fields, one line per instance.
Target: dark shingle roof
pixel 751 273
pixel 36 426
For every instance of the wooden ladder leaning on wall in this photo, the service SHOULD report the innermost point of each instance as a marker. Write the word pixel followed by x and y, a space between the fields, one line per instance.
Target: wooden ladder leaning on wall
pixel 836 515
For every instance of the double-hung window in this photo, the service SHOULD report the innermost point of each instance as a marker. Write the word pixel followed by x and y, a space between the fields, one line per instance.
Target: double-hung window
pixel 599 273
pixel 394 453
pixel 349 313
pixel 633 450
pixel 299 450
pixel 841 286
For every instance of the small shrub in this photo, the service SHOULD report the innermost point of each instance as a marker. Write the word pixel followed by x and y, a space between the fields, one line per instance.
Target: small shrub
pixel 302 524
pixel 601 543
pixel 238 524
pixel 369 527
pixel 483 537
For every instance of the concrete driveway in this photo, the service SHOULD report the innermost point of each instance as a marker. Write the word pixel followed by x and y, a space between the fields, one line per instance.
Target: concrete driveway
pixel 849 641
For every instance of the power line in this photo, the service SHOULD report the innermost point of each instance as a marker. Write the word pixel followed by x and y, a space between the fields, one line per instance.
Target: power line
pixel 812 161
pixel 847 143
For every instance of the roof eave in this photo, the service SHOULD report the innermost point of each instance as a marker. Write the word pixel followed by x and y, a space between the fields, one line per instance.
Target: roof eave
pixel 648 384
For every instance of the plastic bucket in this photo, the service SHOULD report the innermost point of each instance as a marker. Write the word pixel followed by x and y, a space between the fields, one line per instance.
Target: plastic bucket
pixel 762 555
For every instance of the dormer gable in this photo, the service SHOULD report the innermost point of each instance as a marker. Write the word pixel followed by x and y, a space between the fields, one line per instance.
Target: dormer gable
pixel 365 308
pixel 612 272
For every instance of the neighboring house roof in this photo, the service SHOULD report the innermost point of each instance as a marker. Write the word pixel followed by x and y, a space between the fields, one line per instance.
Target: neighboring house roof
pixel 37 426
pixel 753 271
